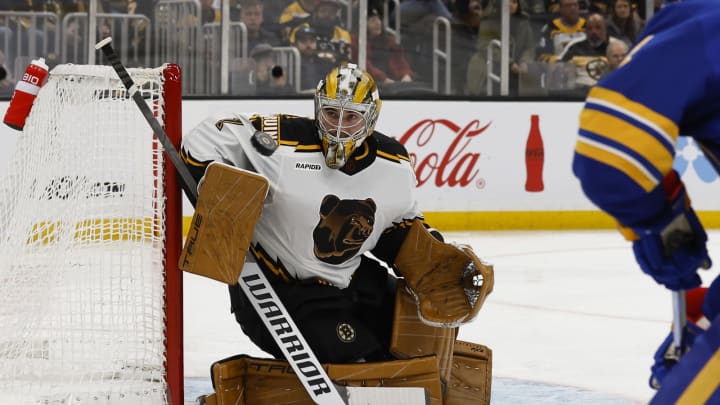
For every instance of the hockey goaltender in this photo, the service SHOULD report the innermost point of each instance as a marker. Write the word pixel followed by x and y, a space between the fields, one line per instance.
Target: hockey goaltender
pixel 324 207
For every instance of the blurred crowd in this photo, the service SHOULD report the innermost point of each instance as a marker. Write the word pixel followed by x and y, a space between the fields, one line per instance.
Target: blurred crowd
pixel 556 47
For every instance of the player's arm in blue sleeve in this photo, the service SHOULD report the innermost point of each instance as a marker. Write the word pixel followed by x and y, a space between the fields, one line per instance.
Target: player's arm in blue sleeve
pixel 626 145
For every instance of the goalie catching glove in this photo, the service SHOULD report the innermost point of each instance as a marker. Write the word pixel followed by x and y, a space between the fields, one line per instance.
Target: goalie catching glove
pixel 449 282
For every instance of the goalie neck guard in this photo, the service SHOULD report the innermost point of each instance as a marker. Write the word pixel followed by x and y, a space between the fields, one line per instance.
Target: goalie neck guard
pixel 347 105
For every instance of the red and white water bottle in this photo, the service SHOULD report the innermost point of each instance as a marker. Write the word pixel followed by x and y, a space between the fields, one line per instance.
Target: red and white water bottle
pixel 25 92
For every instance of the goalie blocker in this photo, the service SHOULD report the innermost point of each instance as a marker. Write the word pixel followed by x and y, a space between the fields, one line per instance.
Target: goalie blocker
pixel 223 223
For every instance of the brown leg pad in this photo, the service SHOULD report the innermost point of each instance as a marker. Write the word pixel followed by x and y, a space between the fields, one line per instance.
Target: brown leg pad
pixel 412 338
pixel 247 380
pixel 471 375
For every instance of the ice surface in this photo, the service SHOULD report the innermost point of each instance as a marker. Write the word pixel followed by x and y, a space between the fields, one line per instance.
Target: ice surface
pixel 572 319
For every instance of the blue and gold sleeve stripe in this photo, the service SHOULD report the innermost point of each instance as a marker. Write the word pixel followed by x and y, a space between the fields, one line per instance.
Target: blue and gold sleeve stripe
pixel 627 136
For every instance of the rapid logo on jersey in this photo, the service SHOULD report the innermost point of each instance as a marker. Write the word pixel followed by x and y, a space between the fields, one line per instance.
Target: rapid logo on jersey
pixel 308 166
pixel 688 153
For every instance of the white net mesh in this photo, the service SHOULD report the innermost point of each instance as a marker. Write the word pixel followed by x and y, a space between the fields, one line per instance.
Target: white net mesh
pixel 82 246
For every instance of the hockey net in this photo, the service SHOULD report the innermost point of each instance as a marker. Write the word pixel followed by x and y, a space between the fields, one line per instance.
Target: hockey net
pixel 90 293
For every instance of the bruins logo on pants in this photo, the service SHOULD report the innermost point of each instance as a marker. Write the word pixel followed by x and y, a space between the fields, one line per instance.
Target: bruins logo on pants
pixel 343 227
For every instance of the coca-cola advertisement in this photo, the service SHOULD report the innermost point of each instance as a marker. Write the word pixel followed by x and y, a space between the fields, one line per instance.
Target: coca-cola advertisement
pixel 472 159
pixel 479 157
pixel 453 166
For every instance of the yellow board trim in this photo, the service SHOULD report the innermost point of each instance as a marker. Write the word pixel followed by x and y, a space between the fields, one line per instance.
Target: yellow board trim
pixel 525 220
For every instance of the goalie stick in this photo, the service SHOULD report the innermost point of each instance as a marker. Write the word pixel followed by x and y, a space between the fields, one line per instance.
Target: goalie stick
pixel 253 281
pixel 187 181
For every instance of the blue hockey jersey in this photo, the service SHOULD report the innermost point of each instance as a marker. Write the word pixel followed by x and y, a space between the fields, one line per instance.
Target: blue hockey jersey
pixel 667 86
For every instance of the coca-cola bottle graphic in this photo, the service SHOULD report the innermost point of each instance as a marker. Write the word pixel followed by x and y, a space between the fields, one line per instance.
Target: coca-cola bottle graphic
pixel 534 157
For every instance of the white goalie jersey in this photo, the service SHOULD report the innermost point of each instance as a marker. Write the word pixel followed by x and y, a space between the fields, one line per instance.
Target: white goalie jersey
pixel 317 222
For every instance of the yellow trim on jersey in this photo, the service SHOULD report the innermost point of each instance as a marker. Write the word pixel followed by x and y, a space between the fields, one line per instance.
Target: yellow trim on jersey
pixel 643 179
pixel 394 158
pixel 634 138
pixel 364 153
pixel 269 263
pixel 292 11
pixel 307 147
pixel 704 383
pixel 340 33
pixel 187 159
pixel 558 26
pixel 298 146
pixel 618 101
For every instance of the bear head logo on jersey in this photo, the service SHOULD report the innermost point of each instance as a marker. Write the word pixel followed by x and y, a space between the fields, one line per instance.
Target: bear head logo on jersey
pixel 343 227
pixel 347 105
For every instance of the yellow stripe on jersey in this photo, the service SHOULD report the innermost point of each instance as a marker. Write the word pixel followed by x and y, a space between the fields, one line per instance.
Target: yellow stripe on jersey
pixel 634 138
pixel 704 383
pixel 269 263
pixel 187 159
pixel 394 158
pixel 364 153
pixel 616 101
pixel 618 160
pixel 306 148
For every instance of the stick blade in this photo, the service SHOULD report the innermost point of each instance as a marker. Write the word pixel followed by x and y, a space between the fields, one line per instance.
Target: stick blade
pixel 103 42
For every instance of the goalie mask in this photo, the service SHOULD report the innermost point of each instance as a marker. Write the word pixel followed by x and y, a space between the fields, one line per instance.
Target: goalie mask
pixel 347 105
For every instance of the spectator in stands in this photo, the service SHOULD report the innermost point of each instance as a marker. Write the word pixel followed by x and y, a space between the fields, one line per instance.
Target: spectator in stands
pixel 251 14
pixel 7 84
pixel 417 9
pixel 312 68
pixel 208 13
pixel 599 6
pixel 271 14
pixel 267 78
pixel 18 31
pixel 385 58
pixel 468 12
pixel 522 50
pixel 297 12
pixel 568 26
pixel 334 42
pixel 416 24
pixel 583 52
pixel 137 30
pixel 623 23
pixel 467 15
pixel 595 42
pixel 616 51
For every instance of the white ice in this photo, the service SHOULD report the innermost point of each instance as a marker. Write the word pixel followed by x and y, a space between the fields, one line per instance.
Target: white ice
pixel 572 319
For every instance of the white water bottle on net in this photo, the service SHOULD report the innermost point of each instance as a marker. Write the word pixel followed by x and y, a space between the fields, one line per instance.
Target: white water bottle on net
pixel 90 297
